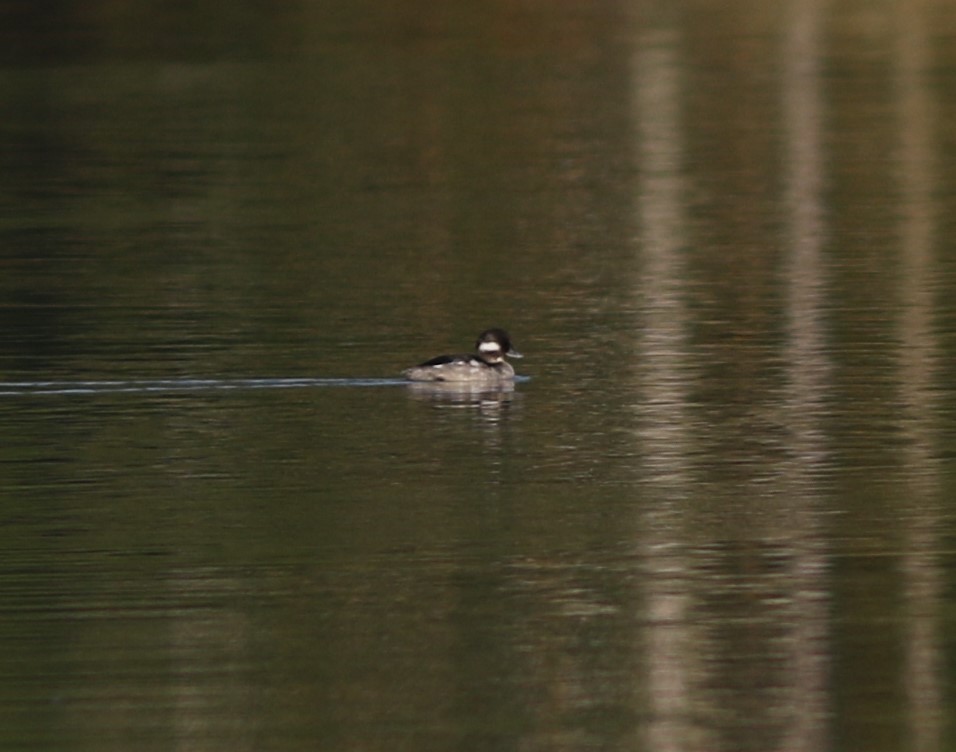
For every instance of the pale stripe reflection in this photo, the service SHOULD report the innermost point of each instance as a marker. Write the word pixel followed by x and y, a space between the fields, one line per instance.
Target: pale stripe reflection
pixel 662 421
pixel 808 375
pixel 918 357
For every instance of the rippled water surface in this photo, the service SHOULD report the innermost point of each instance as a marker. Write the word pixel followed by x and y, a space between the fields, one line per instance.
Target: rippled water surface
pixel 718 512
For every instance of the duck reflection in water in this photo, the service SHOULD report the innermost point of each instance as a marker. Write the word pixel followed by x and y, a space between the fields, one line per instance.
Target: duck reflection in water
pixel 491 402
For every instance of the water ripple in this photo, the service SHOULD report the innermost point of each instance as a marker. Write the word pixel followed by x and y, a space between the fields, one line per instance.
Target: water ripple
pixel 30 388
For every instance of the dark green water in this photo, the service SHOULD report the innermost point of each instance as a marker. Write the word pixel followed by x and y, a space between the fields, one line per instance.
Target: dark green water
pixel 721 513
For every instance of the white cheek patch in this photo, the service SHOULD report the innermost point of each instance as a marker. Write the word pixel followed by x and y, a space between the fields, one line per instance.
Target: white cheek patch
pixel 489 347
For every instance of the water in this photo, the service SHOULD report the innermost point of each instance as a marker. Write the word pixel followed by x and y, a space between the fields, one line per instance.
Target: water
pixel 717 515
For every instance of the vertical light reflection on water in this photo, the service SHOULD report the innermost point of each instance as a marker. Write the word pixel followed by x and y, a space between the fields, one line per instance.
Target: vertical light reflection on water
pixel 661 357
pixel 808 371
pixel 918 353
pixel 209 648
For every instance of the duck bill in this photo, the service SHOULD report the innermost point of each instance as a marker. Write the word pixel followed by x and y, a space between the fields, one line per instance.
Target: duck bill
pixel 512 353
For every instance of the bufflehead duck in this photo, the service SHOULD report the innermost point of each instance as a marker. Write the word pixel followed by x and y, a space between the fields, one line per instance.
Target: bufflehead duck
pixel 486 366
